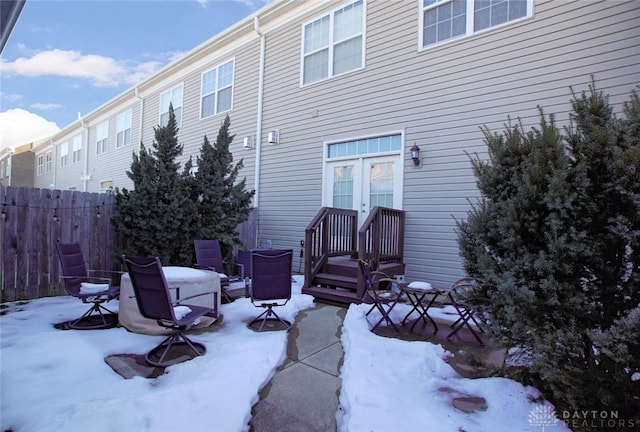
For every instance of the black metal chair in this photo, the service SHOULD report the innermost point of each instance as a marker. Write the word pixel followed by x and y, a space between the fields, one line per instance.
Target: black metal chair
pixel 379 294
pixel 458 297
pixel 154 301
pixel 209 257
pixel 271 283
pixel 79 282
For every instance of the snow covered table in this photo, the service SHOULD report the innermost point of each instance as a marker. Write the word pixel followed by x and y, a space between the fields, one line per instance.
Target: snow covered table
pixel 190 281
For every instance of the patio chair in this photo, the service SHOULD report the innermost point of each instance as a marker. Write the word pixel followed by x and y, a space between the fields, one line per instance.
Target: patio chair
pixel 378 293
pixel 154 301
pixel 209 257
pixel 458 294
pixel 271 283
pixel 79 282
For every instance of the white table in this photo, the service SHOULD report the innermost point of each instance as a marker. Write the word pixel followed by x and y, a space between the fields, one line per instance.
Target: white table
pixel 190 281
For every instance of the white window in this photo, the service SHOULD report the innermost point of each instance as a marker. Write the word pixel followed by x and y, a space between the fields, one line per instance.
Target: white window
pixel 64 154
pixel 333 44
pixel 442 20
pixel 123 129
pixel 48 161
pixel 40 165
pixel 102 135
pixel 76 147
pixel 106 185
pixel 217 90
pixel 173 97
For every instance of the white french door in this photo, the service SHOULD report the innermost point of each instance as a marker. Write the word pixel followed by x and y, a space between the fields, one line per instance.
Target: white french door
pixel 364 183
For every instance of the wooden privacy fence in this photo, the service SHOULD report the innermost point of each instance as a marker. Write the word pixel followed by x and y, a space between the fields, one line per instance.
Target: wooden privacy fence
pixel 32 220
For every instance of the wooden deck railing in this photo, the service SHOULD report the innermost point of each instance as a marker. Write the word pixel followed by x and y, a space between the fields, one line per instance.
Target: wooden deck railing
pixel 331 233
pixel 381 237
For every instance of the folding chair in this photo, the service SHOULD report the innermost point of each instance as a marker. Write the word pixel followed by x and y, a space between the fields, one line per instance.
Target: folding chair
pixel 89 289
pixel 458 294
pixel 379 294
pixel 154 301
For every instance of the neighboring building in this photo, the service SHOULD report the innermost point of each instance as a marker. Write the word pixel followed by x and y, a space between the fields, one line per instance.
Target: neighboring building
pixel 326 100
pixel 17 166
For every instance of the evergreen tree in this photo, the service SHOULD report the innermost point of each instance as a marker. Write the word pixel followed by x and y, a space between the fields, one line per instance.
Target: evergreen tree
pixel 223 203
pixel 158 217
pixel 554 243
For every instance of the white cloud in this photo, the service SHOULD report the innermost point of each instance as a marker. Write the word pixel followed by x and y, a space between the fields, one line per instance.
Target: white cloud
pixel 18 126
pixel 45 106
pixel 11 97
pixel 100 70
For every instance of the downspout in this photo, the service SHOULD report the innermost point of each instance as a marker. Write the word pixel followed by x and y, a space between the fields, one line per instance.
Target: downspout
pixel 85 138
pixel 141 111
pixel 256 180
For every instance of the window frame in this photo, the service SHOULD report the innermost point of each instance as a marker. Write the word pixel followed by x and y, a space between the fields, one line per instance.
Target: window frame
pixel 127 118
pixel 332 43
pixel 217 89
pixel 102 141
pixel 48 161
pixel 469 25
pixel 160 109
pixel 40 164
pixel 64 154
pixel 76 150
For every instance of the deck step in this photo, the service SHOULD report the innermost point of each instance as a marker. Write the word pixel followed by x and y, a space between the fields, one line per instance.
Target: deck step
pixel 332 294
pixel 336 280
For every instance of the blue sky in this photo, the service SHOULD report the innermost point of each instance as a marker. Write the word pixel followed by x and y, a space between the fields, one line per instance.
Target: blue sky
pixel 68 57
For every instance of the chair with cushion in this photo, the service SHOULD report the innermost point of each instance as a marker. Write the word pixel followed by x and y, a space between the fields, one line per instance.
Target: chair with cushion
pixel 82 283
pixel 154 301
pixel 271 283
pixel 378 293
pixel 209 257
pixel 458 294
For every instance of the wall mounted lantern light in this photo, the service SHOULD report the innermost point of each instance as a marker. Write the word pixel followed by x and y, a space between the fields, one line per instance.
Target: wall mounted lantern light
pixel 415 154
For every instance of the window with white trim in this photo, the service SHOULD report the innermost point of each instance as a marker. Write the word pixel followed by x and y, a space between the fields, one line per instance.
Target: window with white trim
pixel 442 20
pixel 123 129
pixel 106 185
pixel 216 91
pixel 172 97
pixel 365 146
pixel 102 136
pixel 64 154
pixel 40 165
pixel 48 161
pixel 333 44
pixel 76 148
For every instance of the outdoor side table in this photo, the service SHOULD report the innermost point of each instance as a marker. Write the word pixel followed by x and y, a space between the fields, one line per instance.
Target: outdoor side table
pixel 416 293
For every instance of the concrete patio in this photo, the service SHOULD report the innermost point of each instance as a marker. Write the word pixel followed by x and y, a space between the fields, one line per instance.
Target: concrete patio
pixel 303 394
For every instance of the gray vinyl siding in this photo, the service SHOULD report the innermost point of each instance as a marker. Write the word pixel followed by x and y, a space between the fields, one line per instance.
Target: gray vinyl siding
pixel 68 176
pixel 115 162
pixel 439 97
pixel 242 115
